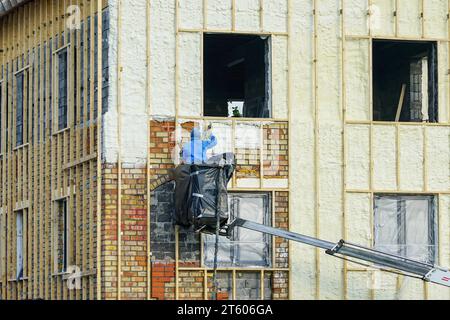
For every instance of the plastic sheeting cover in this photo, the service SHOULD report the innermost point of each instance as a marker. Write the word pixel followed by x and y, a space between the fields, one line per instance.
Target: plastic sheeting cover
pixel 405 226
pixel 200 192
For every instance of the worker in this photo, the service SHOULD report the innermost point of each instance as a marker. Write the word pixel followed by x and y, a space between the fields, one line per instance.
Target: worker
pixel 194 152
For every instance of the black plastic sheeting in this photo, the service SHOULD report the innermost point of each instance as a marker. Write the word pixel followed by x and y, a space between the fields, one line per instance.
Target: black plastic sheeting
pixel 201 194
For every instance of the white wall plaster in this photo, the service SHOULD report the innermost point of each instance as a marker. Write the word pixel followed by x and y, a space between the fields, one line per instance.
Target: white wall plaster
pixel 437 154
pixel 330 144
pixel 409 21
pixel 358 219
pixel 355 17
pixel 357 79
pixel 358 285
pixel 134 81
pixel 247 15
pixel 382 19
pixel 443 82
pixel 358 157
pixel 435 18
pixel 133 61
pixel 162 57
pixel 190 74
pixel 219 14
pixel 385 158
pixel 411 158
pixel 110 133
pixel 275 15
pixel 191 14
pixel 280 77
pixel 276 183
pixel 301 152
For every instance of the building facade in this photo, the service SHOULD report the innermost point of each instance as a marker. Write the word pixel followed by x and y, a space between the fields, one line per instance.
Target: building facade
pixel 338 113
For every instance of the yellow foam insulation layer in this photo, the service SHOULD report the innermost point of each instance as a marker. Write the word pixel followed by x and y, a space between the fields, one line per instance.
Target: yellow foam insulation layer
pixel 358 219
pixel 409 21
pixel 162 57
pixel 410 289
pixel 357 79
pixel 382 19
pixel 383 285
pixel 247 15
pixel 358 286
pixel 437 154
pixel 355 17
pixel 275 15
pixel 190 73
pixel 384 158
pixel 411 158
pixel 443 82
pixel 280 77
pixel 358 160
pixel 330 144
pixel 301 199
pixel 191 14
pixel 435 291
pixel 219 14
pixel 435 19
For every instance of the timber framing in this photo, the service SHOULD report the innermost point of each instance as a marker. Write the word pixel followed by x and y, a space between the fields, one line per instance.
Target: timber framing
pixel 51 164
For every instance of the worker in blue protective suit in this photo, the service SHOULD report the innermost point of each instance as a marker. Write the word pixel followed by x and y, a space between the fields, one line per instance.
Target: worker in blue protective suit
pixel 194 152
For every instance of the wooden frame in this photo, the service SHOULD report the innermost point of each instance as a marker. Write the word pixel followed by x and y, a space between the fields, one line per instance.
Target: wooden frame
pixel 54 164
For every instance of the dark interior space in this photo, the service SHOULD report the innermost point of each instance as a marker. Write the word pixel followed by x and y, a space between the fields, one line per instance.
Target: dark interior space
pixel 405 84
pixel 236 76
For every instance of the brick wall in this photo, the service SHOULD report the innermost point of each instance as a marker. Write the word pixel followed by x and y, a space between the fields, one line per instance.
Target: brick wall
pixel 133 228
pixel 134 232
pixel 282 222
pixel 162 142
pixel 275 152
pixel 109 231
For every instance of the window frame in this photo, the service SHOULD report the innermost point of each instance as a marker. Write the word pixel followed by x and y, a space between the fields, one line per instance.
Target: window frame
pixel 21 260
pixel 235 261
pixel 61 267
pixel 269 75
pixel 433 223
pixel 24 72
pixel 56 127
pixel 436 110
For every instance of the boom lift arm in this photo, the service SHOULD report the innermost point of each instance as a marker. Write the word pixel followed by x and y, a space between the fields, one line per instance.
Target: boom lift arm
pixel 342 249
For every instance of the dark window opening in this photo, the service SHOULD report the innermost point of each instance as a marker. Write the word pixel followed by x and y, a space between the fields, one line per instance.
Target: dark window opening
pixel 237 76
pixel 405 78
pixel 62 89
pixel 19 108
pixel 62 248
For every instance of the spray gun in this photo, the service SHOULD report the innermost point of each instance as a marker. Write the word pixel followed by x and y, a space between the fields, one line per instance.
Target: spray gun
pixel 208 132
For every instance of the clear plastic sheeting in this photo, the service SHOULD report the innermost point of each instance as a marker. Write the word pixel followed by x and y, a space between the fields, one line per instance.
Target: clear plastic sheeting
pixel 245 248
pixel 406 226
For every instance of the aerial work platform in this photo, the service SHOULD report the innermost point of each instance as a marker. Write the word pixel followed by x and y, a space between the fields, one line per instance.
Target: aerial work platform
pixel 343 249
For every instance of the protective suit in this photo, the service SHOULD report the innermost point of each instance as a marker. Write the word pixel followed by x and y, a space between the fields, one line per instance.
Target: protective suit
pixel 194 152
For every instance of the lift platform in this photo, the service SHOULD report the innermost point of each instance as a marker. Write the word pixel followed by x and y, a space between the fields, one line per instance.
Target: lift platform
pixel 345 250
